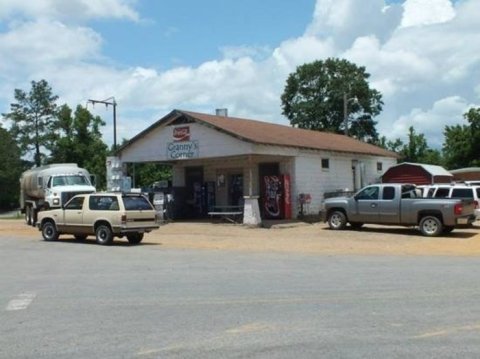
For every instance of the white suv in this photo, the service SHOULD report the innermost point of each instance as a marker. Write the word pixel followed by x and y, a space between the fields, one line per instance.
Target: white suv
pixel 455 191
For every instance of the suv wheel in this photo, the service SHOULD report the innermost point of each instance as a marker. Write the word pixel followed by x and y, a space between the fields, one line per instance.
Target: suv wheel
pixel 431 226
pixel 104 235
pixel 49 231
pixel 135 238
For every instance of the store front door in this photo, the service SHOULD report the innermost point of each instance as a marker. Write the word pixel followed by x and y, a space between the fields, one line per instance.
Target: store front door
pixel 194 192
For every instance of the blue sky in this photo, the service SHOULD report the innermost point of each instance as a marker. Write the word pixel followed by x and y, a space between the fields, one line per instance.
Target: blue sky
pixel 154 56
pixel 186 32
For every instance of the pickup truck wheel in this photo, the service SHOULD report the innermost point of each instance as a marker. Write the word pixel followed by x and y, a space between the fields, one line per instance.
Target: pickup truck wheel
pixel 135 238
pixel 104 235
pixel 337 220
pixel 49 231
pixel 431 226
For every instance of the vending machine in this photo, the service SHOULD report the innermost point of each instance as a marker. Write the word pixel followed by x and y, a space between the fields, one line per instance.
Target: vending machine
pixel 276 197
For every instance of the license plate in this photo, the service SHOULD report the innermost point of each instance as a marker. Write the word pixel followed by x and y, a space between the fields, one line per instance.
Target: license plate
pixel 463 221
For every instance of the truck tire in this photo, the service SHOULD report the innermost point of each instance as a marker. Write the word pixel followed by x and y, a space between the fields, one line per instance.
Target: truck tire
pixel 104 235
pixel 431 226
pixel 134 238
pixel 337 220
pixel 28 215
pixel 34 217
pixel 49 231
pixel 27 218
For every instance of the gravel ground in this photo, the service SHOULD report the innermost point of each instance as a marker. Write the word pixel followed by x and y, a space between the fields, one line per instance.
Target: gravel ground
pixel 292 237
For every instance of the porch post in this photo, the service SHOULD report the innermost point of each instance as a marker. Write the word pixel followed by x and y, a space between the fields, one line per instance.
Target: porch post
pixel 251 210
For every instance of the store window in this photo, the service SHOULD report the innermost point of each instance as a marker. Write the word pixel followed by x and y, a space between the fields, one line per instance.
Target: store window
pixel 379 166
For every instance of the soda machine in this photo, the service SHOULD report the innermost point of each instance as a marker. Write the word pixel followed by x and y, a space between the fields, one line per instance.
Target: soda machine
pixel 276 197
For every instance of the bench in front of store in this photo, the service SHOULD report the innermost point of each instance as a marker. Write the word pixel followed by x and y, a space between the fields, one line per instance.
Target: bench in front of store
pixel 228 213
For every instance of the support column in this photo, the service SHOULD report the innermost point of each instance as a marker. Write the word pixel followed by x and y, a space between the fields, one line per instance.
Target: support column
pixel 251 210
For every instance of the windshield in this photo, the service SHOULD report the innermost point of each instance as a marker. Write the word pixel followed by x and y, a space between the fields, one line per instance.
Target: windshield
pixel 70 180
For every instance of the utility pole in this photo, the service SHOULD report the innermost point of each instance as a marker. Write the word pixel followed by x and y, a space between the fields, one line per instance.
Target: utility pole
pixel 345 110
pixel 109 102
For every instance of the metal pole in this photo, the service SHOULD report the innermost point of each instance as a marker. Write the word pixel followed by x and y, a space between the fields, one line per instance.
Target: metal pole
pixel 114 125
pixel 109 101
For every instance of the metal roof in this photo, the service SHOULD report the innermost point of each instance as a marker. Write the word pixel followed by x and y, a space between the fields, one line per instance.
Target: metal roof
pixel 432 169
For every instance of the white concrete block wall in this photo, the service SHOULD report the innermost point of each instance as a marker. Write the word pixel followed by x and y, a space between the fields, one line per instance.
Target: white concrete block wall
pixel 309 177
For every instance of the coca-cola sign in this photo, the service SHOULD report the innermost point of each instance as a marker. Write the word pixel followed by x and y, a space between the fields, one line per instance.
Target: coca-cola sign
pixel 181 133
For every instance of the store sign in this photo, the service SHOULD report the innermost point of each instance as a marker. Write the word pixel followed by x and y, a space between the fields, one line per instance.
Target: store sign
pixel 182 150
pixel 181 134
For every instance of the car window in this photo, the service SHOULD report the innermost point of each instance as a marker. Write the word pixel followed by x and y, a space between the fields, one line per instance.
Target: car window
pixel 136 203
pixel 103 203
pixel 430 193
pixel 442 192
pixel 477 190
pixel 388 193
pixel 462 193
pixel 75 203
pixel 368 193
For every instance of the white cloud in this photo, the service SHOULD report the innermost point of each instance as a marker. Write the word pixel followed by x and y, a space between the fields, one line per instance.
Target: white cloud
pixel 448 111
pixel 70 9
pixel 33 46
pixel 346 20
pixel 427 67
pixel 427 12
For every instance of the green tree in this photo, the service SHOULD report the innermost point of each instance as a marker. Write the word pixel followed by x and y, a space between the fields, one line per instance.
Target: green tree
pixel 415 150
pixel 394 146
pixel 10 170
pixel 462 142
pixel 78 139
pixel 145 174
pixel 32 118
pixel 457 148
pixel 323 94
pixel 416 147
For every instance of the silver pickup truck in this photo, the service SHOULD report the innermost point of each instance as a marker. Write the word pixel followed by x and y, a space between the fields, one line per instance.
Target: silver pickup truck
pixel 398 204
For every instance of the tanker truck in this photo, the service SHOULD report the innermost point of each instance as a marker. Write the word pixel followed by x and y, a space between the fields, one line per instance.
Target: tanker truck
pixel 51 186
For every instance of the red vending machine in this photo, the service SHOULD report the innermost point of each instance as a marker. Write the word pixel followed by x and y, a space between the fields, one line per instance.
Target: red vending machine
pixel 276 197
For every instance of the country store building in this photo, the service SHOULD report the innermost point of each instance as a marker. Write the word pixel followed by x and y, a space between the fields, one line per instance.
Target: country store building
pixel 280 171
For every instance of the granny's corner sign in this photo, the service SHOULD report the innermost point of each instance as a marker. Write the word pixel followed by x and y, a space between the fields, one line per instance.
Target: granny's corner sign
pixel 182 150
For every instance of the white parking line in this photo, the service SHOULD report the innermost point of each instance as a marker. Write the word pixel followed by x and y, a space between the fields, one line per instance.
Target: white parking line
pixel 21 301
